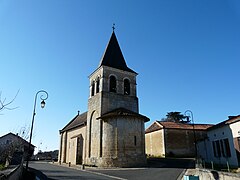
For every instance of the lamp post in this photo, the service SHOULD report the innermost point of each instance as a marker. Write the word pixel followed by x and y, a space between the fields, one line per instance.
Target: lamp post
pixel 43 97
pixel 194 135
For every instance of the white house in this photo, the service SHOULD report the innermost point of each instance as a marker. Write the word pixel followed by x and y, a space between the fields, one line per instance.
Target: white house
pixel 222 145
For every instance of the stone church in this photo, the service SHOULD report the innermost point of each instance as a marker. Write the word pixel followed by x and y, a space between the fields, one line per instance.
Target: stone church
pixel 111 133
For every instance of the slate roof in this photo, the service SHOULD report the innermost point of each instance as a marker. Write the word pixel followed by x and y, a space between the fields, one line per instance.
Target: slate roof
pixel 18 137
pixel 123 112
pixel 78 120
pixel 113 56
pixel 230 120
pixel 157 125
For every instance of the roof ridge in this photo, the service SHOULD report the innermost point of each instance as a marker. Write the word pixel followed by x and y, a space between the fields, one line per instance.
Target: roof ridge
pixel 230 120
pixel 122 112
pixel 75 117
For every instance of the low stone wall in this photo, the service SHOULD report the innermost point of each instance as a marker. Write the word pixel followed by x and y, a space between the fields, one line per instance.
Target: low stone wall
pixel 211 174
pixel 12 173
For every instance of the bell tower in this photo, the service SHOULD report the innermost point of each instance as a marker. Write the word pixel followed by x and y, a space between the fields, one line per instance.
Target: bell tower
pixel 112 90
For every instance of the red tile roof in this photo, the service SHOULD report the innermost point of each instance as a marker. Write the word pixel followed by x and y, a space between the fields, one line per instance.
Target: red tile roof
pixel 230 120
pixel 153 127
pixel 173 125
pixel 157 125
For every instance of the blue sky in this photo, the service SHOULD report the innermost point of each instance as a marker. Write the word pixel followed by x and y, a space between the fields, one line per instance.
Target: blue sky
pixel 186 53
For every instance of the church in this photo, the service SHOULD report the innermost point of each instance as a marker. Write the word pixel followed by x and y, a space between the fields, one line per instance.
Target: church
pixel 111 133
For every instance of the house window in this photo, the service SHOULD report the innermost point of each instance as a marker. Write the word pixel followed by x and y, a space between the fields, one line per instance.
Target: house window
pixel 214 149
pixel 222 148
pixel 227 147
pixel 98 85
pixel 135 140
pixel 93 87
pixel 126 87
pixel 218 148
pixel 113 84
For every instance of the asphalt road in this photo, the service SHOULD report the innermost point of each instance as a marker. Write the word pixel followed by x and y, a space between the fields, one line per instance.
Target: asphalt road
pixel 56 172
pixel 164 169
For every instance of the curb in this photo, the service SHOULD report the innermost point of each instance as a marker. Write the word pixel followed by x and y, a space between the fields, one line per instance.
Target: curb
pixel 39 174
pixel 180 177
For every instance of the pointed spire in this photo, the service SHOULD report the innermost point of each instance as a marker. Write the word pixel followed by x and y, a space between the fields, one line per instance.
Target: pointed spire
pixel 113 56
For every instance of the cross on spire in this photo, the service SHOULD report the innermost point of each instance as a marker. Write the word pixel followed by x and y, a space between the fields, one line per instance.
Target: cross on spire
pixel 113 27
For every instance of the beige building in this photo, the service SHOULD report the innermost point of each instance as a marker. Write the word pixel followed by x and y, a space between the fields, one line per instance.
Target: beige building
pixel 166 139
pixel 111 133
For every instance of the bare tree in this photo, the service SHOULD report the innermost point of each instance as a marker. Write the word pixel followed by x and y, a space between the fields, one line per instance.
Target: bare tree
pixel 23 132
pixel 13 146
pixel 5 104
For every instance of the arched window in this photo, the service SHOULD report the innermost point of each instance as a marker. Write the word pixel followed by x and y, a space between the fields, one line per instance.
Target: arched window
pixel 126 87
pixel 93 88
pixel 113 84
pixel 98 85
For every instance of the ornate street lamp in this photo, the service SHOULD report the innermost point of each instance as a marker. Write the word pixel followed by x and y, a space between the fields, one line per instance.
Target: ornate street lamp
pixel 187 112
pixel 43 97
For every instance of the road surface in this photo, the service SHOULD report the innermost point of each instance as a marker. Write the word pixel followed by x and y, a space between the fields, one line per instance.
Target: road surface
pixel 165 169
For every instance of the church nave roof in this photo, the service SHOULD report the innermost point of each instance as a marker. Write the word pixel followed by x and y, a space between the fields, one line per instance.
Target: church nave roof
pixel 78 120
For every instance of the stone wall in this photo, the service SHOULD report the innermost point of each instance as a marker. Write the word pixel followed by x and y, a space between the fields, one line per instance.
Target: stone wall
pixel 14 172
pixel 210 174
pixel 111 101
pixel 172 142
pixel 117 141
pixel 155 143
pixel 75 145
pixel 180 142
pixel 121 145
pixel 125 148
pixel 120 76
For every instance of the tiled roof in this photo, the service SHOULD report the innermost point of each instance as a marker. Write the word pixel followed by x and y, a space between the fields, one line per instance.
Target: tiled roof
pixel 122 112
pixel 173 125
pixel 157 125
pixel 230 120
pixel 233 119
pixel 78 120
pixel 20 138
pixel 153 127
pixel 113 56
